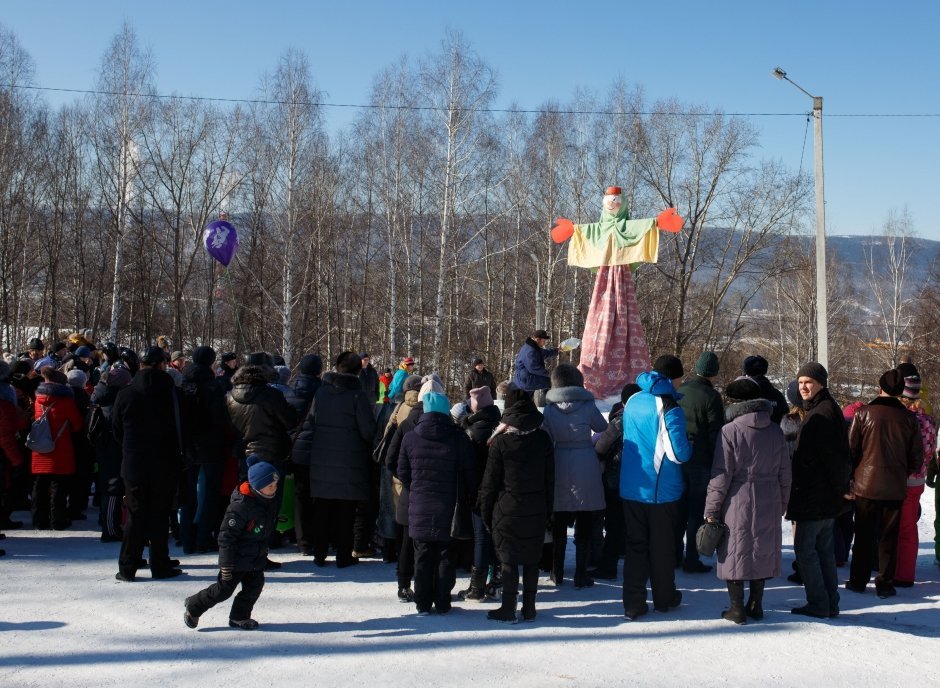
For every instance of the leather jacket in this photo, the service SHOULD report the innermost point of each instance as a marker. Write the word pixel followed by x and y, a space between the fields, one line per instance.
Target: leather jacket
pixel 885 445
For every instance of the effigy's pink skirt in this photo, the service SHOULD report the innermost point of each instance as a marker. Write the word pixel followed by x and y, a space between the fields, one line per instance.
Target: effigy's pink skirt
pixel 613 348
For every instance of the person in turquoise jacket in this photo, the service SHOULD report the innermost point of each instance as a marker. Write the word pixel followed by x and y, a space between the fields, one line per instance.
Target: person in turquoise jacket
pixel 655 446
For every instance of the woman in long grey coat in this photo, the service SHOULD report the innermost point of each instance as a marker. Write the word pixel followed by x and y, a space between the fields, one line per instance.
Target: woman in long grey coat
pixel 748 491
pixel 570 416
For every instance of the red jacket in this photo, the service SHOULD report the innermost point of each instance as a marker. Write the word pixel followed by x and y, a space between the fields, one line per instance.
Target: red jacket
pixel 61 460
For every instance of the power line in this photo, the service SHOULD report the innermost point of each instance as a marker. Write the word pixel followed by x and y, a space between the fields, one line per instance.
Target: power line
pixel 361 106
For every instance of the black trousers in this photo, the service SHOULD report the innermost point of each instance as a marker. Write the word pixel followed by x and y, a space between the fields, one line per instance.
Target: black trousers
pixel 583 525
pixel 406 558
pixel 303 509
pixel 252 583
pixel 435 574
pixel 650 553
pixel 148 513
pixel 691 511
pixel 613 529
pixel 366 513
pixel 333 523
pixel 869 515
pixel 48 507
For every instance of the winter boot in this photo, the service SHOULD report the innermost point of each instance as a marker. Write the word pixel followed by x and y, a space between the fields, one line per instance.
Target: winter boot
pixel 528 605
pixel 736 593
pixel 495 586
pixel 506 613
pixel 754 600
pixel 244 624
pixel 581 578
pixel 558 563
pixel 476 590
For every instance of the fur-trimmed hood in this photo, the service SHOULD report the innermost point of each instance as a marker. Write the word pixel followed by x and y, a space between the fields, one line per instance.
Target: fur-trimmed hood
pixel 742 408
pixel 568 398
pixel 342 380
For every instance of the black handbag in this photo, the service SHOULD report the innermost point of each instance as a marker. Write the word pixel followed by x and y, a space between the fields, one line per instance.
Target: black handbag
pixel 709 537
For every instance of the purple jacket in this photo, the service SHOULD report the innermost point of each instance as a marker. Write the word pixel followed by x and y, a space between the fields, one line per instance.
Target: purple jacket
pixel 749 490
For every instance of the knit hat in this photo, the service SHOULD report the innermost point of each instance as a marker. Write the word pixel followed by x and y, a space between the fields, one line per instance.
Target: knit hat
pixel 756 365
pixel 907 369
pixel 176 355
pixel 628 391
pixel 59 346
pixel 153 356
pixel 204 355
pixel 83 352
pixel 277 359
pixel 77 378
pixel 311 364
pixel 260 473
pixel 477 361
pixel 407 360
pixel 35 344
pixel 481 397
pixel 412 383
pixel 20 369
pixel 742 388
pixel 815 371
pixel 430 383
pixel 707 364
pixel 793 394
pixel 6 372
pixel 283 374
pixel 891 383
pixel 669 366
pixel 435 402
pixel 50 374
pixel 911 387
pixel 117 377
pixel 229 356
pixel 364 354
pixel 515 394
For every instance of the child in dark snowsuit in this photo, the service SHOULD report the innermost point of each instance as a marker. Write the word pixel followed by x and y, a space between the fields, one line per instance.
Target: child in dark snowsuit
pixel 243 548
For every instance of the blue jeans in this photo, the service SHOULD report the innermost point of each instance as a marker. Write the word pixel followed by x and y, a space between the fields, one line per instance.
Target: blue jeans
pixel 482 543
pixel 816 563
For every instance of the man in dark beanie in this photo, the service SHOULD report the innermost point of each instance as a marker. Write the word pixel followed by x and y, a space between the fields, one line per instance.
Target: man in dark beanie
pixel 886 447
pixel 755 367
pixel 228 365
pixel 704 416
pixel 655 446
pixel 821 471
pixel 336 442
pixel 146 421
pixel 205 424
pixel 531 374
pixel 306 385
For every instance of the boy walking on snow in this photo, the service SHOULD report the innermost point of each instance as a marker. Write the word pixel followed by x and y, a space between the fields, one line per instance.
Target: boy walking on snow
pixel 243 548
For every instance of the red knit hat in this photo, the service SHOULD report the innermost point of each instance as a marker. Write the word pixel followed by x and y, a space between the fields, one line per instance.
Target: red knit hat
pixel 407 360
pixel 613 191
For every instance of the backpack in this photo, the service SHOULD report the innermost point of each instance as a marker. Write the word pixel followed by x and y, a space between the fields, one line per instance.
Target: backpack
pixel 40 439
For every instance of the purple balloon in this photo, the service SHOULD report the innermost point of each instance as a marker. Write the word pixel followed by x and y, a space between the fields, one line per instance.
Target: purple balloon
pixel 221 241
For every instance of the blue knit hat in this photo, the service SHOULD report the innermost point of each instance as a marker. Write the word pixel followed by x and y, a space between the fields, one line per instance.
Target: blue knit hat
pixel 260 473
pixel 435 402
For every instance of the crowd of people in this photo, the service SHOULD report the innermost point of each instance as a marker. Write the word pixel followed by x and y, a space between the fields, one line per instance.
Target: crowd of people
pixel 238 455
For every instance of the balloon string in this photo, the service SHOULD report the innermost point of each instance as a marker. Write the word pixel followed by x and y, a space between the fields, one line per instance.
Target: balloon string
pixel 238 323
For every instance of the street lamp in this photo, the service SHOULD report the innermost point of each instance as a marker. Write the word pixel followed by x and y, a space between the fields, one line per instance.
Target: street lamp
pixel 822 327
pixel 538 292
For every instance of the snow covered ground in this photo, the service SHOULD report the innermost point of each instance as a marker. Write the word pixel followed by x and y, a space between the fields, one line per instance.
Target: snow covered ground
pixel 65 621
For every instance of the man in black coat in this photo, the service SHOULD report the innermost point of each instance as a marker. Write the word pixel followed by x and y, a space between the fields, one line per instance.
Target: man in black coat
pixel 336 442
pixel 821 470
pixel 479 376
pixel 306 385
pixel 369 379
pixel 205 425
pixel 146 421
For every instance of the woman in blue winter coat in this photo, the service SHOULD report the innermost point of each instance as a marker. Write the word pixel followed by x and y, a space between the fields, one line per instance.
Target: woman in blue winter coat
pixel 571 416
pixel 434 457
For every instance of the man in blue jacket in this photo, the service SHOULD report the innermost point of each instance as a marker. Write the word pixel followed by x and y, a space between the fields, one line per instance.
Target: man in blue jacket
pixel 654 447
pixel 531 374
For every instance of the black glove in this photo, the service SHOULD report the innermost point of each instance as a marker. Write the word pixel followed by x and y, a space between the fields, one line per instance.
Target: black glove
pixel 225 573
pixel 932 471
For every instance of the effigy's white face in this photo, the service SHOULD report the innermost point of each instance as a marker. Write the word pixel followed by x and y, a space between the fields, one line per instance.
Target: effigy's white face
pixel 612 203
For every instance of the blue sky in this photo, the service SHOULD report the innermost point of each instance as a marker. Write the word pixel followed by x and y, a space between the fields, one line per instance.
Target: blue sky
pixel 863 57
